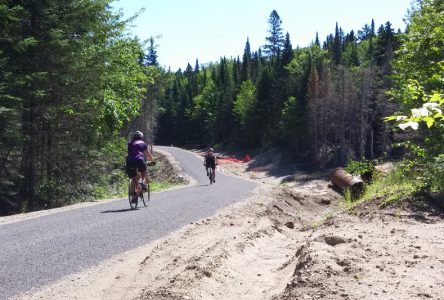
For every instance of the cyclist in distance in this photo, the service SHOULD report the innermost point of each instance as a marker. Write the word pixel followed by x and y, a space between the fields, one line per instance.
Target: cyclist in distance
pixel 137 151
pixel 210 161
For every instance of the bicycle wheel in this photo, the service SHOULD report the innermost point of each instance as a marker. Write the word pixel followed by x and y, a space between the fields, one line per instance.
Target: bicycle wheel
pixel 211 175
pixel 145 196
pixel 133 205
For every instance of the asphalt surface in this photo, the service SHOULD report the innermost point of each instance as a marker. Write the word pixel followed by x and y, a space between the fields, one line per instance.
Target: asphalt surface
pixel 36 252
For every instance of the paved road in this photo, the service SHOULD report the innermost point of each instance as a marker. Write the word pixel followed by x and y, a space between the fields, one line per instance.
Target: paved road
pixel 39 251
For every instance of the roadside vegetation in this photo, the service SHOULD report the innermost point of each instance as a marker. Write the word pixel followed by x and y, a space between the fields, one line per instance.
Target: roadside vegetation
pixel 420 92
pixel 387 188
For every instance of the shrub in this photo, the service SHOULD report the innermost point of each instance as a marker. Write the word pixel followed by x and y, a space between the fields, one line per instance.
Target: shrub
pixel 365 169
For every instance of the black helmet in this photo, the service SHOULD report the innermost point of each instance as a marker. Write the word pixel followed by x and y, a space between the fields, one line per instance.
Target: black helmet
pixel 137 135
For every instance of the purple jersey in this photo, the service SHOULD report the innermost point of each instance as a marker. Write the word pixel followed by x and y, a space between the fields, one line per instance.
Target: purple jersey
pixel 136 149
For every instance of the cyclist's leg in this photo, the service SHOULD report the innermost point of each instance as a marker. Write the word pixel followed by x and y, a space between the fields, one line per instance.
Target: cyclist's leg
pixel 213 167
pixel 144 176
pixel 131 171
pixel 134 184
pixel 141 166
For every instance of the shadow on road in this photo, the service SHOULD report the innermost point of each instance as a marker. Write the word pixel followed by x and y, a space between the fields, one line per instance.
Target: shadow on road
pixel 117 210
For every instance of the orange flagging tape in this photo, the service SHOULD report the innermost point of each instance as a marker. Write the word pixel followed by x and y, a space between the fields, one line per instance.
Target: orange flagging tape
pixel 247 158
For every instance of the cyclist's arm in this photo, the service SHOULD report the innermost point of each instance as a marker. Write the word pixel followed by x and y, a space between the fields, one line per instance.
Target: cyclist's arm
pixel 148 155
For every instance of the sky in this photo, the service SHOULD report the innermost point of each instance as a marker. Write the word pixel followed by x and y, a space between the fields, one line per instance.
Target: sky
pixel 186 30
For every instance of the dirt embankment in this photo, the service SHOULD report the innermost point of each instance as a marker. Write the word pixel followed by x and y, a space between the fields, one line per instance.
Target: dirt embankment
pixel 288 241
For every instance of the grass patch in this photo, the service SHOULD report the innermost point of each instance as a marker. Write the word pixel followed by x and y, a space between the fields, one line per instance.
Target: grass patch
pixel 121 190
pixel 390 187
pixel 160 186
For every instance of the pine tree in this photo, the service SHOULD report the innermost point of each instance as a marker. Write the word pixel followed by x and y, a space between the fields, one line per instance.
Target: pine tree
pixel 350 55
pixel 317 42
pixel 256 65
pixel 364 33
pixel 246 62
pixel 328 44
pixel 276 38
pixel 151 57
pixel 371 49
pixel 263 110
pixel 236 73
pixel 384 50
pixel 196 67
pixel 227 95
pixel 337 46
pixel 287 52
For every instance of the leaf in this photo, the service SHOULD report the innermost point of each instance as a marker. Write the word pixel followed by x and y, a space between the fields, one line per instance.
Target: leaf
pixel 429 121
pixel 437 98
pixel 390 118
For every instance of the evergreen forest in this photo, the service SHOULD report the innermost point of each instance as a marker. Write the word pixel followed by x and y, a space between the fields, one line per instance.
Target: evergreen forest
pixel 74 84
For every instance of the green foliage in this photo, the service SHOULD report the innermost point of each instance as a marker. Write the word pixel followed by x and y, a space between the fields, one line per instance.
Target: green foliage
pixel 419 78
pixel 158 186
pixel 124 84
pixel 364 168
pixel 431 112
pixel 301 62
pixel 290 106
pixel 420 57
pixel 69 78
pixel 204 109
pixel 348 197
pixel 112 160
pixel 350 54
pixel 436 168
pixel 293 127
pixel 245 101
pixel 388 188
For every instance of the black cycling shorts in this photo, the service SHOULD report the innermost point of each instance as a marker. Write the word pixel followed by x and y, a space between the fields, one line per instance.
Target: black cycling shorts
pixel 211 165
pixel 134 166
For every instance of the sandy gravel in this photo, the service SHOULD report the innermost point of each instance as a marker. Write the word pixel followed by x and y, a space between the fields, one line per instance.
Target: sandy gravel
pixel 288 241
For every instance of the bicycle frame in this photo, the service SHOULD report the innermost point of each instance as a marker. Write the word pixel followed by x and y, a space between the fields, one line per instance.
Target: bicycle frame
pixel 142 195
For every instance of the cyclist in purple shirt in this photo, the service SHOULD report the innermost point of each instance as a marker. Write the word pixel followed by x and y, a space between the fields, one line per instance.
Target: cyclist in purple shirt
pixel 135 162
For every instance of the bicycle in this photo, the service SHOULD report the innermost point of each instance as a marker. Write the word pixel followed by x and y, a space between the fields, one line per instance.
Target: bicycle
pixel 143 195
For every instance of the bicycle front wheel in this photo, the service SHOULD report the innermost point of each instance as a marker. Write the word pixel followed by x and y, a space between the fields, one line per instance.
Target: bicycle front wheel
pixel 146 195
